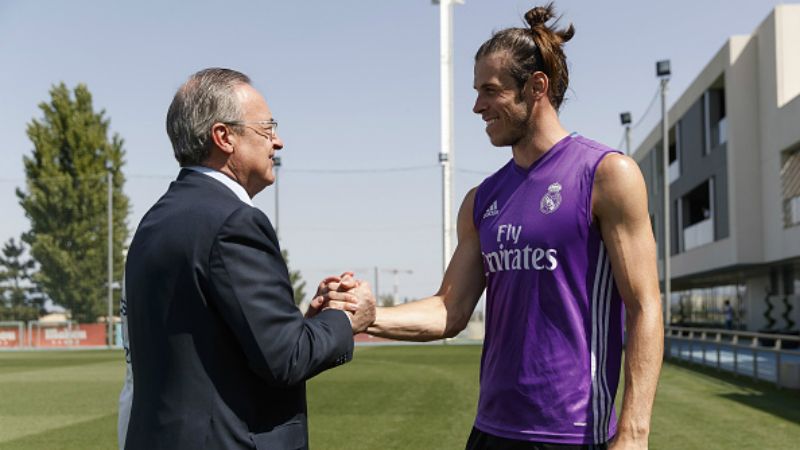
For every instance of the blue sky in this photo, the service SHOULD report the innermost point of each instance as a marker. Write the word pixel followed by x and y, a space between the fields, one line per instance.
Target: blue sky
pixel 355 87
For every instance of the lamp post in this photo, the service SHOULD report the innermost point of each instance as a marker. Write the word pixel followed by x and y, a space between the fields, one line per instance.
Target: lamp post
pixel 396 282
pixel 663 72
pixel 276 163
pixel 446 156
pixel 625 119
pixel 110 207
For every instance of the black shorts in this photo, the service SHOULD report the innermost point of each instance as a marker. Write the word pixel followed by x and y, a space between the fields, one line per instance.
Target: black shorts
pixel 478 440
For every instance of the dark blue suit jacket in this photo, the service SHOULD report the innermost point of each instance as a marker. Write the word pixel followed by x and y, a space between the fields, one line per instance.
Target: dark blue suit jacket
pixel 220 353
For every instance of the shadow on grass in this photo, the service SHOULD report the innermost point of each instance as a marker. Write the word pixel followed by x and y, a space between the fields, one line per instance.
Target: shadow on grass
pixel 764 396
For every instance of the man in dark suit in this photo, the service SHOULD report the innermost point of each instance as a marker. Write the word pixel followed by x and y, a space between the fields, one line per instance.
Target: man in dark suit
pixel 219 352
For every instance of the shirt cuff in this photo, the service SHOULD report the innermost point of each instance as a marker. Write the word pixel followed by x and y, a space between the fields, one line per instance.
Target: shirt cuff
pixel 349 319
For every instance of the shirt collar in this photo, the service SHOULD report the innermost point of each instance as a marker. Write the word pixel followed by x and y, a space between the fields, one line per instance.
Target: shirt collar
pixel 224 179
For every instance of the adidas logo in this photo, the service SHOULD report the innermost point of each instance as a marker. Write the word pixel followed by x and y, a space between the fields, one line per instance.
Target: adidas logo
pixel 491 211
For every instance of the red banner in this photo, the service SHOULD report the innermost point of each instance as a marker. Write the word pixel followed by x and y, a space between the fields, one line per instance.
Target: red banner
pixel 9 337
pixel 79 335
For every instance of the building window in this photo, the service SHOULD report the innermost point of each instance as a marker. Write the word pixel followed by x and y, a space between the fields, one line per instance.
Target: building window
pixel 715 117
pixel 697 216
pixel 708 307
pixel 790 181
pixel 788 280
pixel 674 152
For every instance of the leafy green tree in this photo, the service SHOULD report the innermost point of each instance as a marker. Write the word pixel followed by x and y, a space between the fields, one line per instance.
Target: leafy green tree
pixel 298 284
pixel 19 298
pixel 65 198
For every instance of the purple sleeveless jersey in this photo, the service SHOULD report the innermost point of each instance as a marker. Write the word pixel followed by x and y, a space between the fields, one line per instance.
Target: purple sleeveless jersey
pixel 551 355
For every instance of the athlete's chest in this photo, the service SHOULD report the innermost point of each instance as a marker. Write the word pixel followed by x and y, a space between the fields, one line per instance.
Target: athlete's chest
pixel 544 211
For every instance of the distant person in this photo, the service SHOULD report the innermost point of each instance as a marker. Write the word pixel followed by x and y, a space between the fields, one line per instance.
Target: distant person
pixel 218 350
pixel 727 311
pixel 560 237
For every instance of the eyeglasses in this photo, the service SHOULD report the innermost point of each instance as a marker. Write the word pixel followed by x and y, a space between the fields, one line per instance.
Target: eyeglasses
pixel 269 127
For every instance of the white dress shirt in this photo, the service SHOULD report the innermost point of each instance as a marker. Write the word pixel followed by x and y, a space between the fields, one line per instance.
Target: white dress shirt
pixel 226 180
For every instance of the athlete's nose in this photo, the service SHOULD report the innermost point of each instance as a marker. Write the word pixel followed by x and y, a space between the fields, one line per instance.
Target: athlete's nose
pixel 478 107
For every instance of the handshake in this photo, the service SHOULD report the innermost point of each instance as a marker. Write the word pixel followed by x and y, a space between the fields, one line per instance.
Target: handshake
pixel 345 293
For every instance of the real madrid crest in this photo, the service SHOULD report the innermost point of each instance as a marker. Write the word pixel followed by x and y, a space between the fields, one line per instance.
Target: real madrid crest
pixel 551 200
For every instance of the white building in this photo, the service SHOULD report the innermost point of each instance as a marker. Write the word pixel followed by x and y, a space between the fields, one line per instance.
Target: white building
pixel 734 144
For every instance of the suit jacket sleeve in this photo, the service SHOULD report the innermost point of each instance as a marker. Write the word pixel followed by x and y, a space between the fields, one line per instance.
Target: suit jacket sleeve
pixel 250 287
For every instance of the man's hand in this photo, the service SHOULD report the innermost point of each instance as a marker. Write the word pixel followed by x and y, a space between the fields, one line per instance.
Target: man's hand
pixel 342 283
pixel 358 299
pixel 365 314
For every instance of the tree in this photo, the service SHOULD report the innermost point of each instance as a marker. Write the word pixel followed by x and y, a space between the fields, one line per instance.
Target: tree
pixel 298 284
pixel 66 201
pixel 19 298
pixel 386 300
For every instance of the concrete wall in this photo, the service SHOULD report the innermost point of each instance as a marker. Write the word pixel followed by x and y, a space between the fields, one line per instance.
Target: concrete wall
pixel 754 303
pixel 744 142
pixel 779 121
pixel 788 69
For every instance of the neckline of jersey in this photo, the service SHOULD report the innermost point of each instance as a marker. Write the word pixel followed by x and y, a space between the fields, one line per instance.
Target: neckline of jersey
pixel 547 155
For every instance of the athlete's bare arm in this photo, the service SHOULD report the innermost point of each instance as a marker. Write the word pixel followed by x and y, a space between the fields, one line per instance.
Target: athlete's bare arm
pixel 619 203
pixel 447 312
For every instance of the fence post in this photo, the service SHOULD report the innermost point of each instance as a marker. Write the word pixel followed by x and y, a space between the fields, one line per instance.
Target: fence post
pixel 30 333
pixel 703 338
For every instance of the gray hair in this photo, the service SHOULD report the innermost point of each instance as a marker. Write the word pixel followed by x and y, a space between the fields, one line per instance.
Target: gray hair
pixel 208 97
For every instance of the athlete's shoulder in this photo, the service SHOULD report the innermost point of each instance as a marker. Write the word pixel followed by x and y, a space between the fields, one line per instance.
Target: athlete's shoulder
pixel 591 145
pixel 618 182
pixel 617 168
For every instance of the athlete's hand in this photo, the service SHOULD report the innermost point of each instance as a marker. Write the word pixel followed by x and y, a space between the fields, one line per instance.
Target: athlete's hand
pixel 342 283
pixel 365 315
pixel 353 297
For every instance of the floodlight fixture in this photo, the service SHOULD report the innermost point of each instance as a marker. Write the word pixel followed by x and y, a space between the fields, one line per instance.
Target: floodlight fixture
pixel 662 68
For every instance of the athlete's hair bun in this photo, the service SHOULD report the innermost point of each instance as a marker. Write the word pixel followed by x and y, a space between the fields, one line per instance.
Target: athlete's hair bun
pixel 538 17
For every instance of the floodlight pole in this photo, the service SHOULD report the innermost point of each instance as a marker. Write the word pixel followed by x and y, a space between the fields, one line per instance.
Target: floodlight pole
pixel 376 287
pixel 625 119
pixel 446 155
pixel 110 207
pixel 627 139
pixel 396 282
pixel 663 72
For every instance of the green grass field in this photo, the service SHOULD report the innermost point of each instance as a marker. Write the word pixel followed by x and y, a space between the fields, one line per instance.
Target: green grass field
pixel 404 397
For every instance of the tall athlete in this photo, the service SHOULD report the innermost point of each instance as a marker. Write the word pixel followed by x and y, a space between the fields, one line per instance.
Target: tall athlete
pixel 560 237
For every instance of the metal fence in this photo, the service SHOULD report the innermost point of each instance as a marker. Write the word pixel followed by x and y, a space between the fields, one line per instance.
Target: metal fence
pixel 762 356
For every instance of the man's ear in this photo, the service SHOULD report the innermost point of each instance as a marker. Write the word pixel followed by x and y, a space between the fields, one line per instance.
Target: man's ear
pixel 537 86
pixel 223 137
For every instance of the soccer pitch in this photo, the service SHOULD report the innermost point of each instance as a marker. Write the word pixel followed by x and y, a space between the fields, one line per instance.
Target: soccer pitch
pixel 392 397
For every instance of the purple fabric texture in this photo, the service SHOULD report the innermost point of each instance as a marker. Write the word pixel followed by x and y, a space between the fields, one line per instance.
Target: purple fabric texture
pixel 554 319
